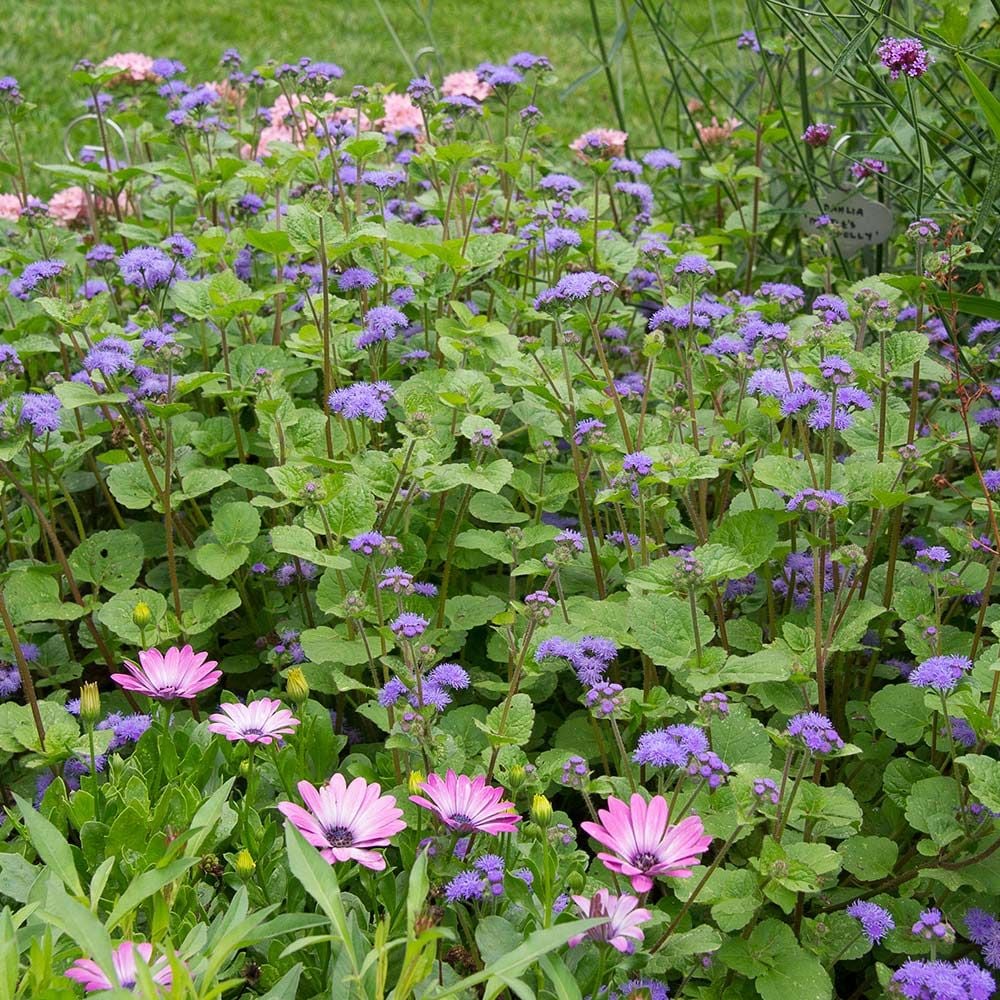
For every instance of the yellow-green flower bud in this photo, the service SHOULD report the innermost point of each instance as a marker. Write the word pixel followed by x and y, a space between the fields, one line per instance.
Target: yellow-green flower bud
pixel 245 865
pixel 141 615
pixel 415 781
pixel 296 686
pixel 541 811
pixel 516 776
pixel 90 704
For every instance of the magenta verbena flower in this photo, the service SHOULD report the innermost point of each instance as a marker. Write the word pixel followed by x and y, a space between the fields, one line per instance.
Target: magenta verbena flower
pixel 623 928
pixel 875 920
pixel 903 56
pixel 817 134
pixel 260 721
pixel 643 844
pixel 467 805
pixel 346 821
pixel 178 673
pixel 93 978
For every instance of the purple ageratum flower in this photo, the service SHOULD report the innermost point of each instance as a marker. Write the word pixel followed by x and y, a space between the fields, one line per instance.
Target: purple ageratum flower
pixel 528 61
pixel 816 501
pixel 935 553
pixel 367 543
pixel 383 180
pixel 465 887
pixel 91 288
pixel 590 658
pixel 903 56
pixel 709 767
pixel 40 412
pixel 815 731
pixel 980 926
pixel 787 295
pixel 715 701
pixel 362 399
pixel 940 672
pixel 571 539
pixel 766 788
pixel 656 989
pixel 397 580
pixel 876 921
pixel 830 309
pixel 555 648
pixel 835 369
pixel 991 480
pixel 381 324
pixel 10 363
pixel 619 538
pixel 576 287
pixel 604 699
pixel 817 134
pixel 591 427
pixel 392 693
pixel 670 747
pixel 180 246
pixel 148 268
pixel 561 185
pixel 409 625
pixel 931 926
pixel 559 238
pixel 694 264
pixel 961 980
pixel 748 40
pixel 10 680
pixel 34 274
pixel 355 278
pixel 637 464
pixel 450 676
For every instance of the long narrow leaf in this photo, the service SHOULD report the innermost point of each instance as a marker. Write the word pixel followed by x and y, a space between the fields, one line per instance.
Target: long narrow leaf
pixel 51 846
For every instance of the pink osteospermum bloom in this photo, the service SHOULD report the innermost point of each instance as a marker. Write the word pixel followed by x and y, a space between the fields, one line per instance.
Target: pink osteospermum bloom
pixel 642 842
pixel 135 67
pixel 346 821
pixel 467 805
pixel 401 113
pixel 90 975
pixel 178 673
pixel 261 721
pixel 624 914
pixel 10 207
pixel 465 83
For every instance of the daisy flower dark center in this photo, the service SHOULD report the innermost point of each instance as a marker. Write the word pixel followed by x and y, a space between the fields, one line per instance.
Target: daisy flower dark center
pixel 643 860
pixel 339 836
pixel 460 819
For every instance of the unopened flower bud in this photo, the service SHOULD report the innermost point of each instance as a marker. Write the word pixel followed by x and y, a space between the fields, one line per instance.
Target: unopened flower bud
pixel 296 686
pixel 515 777
pixel 415 782
pixel 90 704
pixel 541 811
pixel 245 865
pixel 141 615
pixel 576 881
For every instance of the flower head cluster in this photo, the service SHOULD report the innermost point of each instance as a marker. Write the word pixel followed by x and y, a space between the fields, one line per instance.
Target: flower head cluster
pixel 903 56
pixel 875 920
pixel 361 400
pixel 815 732
pixel 961 980
pixel 674 746
pixel 578 286
pixel 940 672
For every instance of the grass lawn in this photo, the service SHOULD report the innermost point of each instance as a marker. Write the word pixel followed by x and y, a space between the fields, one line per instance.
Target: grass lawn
pixel 40 43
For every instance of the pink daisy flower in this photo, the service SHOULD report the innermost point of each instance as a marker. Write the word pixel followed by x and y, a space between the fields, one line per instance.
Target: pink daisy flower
pixel 624 915
pixel 467 805
pixel 261 721
pixel 178 673
pixel 89 974
pixel 10 207
pixel 345 821
pixel 642 842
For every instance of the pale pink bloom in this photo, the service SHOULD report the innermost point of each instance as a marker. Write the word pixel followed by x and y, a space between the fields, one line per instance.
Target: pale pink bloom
pixel 695 104
pixel 88 973
pixel 261 721
pixel 624 914
pixel 178 673
pixel 69 206
pixel 228 93
pixel 600 142
pixel 467 805
pixel 642 842
pixel 716 133
pixel 400 113
pixel 10 207
pixel 465 83
pixel 135 67
pixel 345 821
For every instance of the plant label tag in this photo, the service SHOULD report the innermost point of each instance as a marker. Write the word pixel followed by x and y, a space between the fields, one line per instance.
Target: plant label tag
pixel 862 222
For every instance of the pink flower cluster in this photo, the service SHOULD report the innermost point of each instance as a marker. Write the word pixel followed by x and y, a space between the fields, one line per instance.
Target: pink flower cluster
pixel 135 67
pixel 465 83
pixel 600 142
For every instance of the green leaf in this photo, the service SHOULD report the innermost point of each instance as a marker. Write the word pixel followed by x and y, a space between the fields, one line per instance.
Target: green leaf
pixel 662 628
pixel 753 534
pixel 51 845
pixel 235 523
pixel 932 808
pixel 108 559
pixel 467 610
pixel 721 562
pixel 869 858
pixel 295 540
pixel 515 729
pixel 988 103
pixel 899 711
pixel 495 509
pixel 131 487
pixel 984 778
pixel 326 645
pixel 142 887
pixel 116 614
pixel 218 561
pixel 32 595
